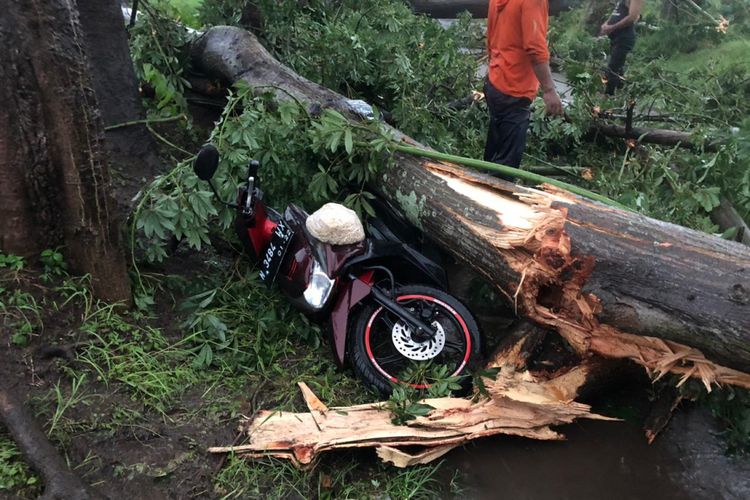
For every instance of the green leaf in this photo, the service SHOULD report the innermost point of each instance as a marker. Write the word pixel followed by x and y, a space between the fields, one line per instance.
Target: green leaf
pixel 334 142
pixel 731 233
pixel 708 198
pixel 348 141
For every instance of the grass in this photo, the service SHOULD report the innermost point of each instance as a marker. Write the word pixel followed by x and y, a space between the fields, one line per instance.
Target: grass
pixel 137 374
pixel 718 58
pixel 340 477
pixel 66 401
pixel 20 312
pixel 137 357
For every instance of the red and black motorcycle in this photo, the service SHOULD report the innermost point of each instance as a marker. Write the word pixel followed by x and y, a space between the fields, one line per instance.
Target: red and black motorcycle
pixel 386 301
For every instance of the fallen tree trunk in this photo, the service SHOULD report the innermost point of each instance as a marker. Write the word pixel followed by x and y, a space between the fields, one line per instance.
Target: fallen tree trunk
pixel 665 137
pixel 447 9
pixel 612 282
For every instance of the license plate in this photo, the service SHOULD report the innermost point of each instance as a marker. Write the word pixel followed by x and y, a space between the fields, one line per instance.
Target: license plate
pixel 272 259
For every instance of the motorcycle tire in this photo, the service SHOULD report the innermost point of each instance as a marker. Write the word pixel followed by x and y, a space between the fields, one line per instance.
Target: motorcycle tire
pixel 381 349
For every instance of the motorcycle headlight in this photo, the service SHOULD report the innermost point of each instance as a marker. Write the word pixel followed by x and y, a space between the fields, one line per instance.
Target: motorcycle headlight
pixel 319 289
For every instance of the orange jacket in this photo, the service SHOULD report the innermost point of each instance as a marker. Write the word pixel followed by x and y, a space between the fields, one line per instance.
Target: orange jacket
pixel 516 40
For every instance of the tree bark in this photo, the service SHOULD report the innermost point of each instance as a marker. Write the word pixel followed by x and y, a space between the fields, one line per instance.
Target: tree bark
pixel 611 282
pixel 448 9
pixel 56 187
pixel 726 217
pixel 132 151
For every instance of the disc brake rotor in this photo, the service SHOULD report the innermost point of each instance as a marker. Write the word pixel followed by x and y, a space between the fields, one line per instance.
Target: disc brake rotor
pixel 412 349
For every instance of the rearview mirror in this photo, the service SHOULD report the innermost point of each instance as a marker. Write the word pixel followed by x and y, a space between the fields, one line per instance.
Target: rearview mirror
pixel 206 162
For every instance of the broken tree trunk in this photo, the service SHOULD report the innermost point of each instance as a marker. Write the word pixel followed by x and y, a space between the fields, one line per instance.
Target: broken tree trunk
pixel 447 9
pixel 611 282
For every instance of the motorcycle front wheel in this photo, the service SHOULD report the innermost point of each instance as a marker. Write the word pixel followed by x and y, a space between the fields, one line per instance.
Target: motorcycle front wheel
pixel 383 352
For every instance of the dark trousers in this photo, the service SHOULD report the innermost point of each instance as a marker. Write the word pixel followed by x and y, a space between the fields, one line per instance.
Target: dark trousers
pixel 619 50
pixel 509 122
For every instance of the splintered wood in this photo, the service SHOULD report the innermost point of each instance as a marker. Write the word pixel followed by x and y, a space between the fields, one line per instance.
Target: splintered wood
pixel 551 290
pixel 518 405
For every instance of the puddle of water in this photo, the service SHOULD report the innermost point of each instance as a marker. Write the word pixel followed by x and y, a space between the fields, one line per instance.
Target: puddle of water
pixel 599 460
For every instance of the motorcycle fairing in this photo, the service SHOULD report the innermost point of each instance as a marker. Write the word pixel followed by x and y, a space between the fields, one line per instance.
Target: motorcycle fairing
pixel 419 267
pixel 351 294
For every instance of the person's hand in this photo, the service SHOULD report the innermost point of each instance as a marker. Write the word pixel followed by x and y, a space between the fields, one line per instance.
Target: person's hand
pixel 552 103
pixel 606 29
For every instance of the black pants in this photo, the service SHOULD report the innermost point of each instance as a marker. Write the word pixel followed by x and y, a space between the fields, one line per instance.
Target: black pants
pixel 509 122
pixel 619 50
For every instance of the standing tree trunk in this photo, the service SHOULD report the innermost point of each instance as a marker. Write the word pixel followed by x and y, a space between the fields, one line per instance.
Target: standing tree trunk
pixel 132 151
pixel 669 10
pixel 55 188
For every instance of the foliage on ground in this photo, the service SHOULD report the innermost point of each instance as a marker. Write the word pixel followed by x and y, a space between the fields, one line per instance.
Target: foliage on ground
pixel 15 475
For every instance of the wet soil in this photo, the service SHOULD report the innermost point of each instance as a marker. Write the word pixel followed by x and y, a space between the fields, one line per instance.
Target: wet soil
pixel 150 455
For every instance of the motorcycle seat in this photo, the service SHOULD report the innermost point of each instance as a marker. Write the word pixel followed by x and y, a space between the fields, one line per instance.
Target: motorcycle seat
pixel 336 225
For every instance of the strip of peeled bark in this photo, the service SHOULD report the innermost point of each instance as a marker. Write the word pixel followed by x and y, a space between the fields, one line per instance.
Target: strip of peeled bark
pixel 611 282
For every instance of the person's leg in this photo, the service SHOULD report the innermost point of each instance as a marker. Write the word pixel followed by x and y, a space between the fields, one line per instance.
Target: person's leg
pixel 616 65
pixel 509 123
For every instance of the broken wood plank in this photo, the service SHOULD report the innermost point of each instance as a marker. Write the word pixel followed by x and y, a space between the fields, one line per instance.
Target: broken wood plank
pixel 519 405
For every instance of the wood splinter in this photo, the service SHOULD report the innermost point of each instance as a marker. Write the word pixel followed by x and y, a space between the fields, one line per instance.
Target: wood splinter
pixel 519 404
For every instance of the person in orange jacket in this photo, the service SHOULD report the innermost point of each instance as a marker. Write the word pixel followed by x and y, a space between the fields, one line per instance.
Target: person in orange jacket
pixel 518 64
